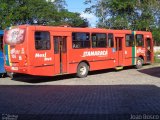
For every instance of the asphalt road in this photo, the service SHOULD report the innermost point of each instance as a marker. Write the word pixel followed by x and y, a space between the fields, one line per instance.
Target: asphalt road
pixel 105 95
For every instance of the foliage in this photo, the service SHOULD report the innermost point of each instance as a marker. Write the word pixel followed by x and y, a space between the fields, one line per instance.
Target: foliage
pixel 156 35
pixel 156 57
pixel 16 12
pixel 64 17
pixel 127 14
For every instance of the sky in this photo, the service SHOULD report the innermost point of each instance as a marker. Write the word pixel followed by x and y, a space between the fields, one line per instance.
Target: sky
pixel 79 6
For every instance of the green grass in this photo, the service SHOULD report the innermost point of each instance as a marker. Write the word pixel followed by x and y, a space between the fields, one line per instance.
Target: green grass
pixel 156 58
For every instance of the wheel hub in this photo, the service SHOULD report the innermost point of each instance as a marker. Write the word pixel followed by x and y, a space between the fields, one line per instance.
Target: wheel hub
pixel 83 70
pixel 139 62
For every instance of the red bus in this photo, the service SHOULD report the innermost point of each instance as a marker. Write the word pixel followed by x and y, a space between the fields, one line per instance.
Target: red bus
pixel 51 51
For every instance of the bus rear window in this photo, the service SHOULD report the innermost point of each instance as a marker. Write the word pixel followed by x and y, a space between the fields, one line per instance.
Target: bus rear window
pixel 14 36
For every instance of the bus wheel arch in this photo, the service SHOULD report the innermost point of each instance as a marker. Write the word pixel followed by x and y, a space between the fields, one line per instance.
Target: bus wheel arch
pixel 83 69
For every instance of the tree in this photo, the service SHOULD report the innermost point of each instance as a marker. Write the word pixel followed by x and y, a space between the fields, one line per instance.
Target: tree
pixel 113 13
pixel 156 35
pixel 16 12
pixel 64 17
pixel 127 14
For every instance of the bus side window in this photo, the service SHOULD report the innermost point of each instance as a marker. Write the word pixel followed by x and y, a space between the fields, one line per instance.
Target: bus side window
pixel 42 40
pixel 110 40
pixel 99 40
pixel 80 40
pixel 129 40
pixel 139 40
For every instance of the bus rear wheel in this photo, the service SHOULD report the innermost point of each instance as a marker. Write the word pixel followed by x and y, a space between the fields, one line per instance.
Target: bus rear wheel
pixel 10 74
pixel 82 70
pixel 139 63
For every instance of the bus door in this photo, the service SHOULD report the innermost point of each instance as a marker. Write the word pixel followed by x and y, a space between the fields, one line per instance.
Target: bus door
pixel 60 54
pixel 119 51
pixel 148 49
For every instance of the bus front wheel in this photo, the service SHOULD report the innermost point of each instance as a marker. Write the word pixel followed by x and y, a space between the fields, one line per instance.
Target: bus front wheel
pixel 139 63
pixel 82 70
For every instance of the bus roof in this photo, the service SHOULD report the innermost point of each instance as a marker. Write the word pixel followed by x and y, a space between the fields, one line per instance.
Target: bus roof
pixel 75 29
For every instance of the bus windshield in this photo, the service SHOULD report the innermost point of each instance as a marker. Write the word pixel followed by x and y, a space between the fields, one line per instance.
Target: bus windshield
pixel 14 36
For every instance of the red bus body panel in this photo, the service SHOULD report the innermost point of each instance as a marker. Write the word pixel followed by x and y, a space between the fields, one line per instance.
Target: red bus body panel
pixel 24 58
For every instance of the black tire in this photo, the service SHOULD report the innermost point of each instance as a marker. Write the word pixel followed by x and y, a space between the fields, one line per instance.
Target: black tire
pixel 139 63
pixel 82 70
pixel 3 75
pixel 11 75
